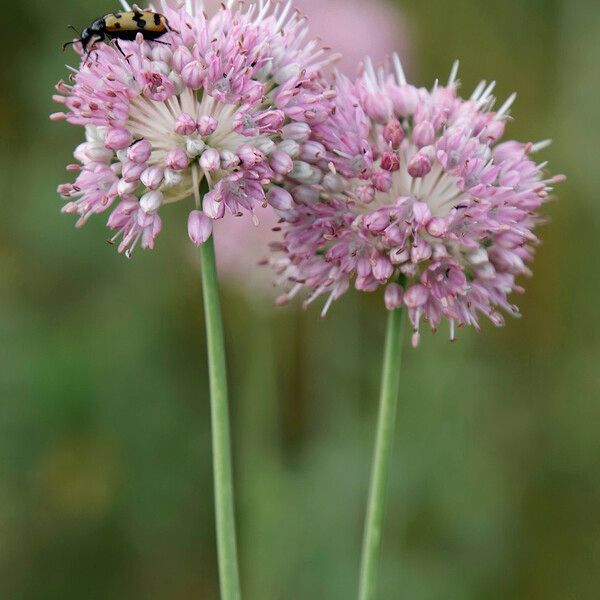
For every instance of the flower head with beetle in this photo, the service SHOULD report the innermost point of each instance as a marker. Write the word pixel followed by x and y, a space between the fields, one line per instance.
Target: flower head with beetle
pixel 223 100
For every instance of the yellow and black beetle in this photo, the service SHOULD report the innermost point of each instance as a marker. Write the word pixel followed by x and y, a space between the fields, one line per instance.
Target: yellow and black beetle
pixel 123 26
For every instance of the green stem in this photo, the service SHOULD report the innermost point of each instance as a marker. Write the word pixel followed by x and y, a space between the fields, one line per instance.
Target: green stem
pixel 390 387
pixel 222 471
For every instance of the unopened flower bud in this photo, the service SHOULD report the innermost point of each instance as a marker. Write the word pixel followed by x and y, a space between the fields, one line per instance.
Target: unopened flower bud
pixel 421 213
pixel 382 268
pixel 436 227
pixel 290 147
pixel 194 147
pixel 139 152
pixel 393 296
pixel 125 188
pixel 420 251
pixel 172 178
pixel 152 177
pixel 494 130
pixel 333 182
pixel 193 74
pixel 210 160
pixel 181 57
pixel 423 134
pixel 265 145
pixel 199 227
pixel 207 125
pixel 416 296
pixel 159 66
pixel 399 256
pixel 287 72
pixel 306 194
pixel 118 138
pixel 151 202
pixel 95 152
pixel 131 171
pixel 177 159
pixel 299 132
pixel 178 84
pixel 377 221
pixel 302 171
pixel 270 121
pixel 365 193
pixel 162 53
pixel 405 100
pixel 229 160
pixel 185 125
pixel 390 161
pixel 250 156
pixel 214 209
pixel 393 133
pixel 280 199
pixel 312 151
pixel 281 162
pixel 382 181
pixel 419 165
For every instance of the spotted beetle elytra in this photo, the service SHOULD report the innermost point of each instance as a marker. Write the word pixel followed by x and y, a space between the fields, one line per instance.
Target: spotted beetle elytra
pixel 122 26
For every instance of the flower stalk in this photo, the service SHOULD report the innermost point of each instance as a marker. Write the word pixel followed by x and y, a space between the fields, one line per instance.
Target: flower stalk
pixel 221 445
pixel 390 387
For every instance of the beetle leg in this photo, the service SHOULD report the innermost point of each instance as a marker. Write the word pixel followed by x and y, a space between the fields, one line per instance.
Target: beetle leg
pixel 91 48
pixel 169 26
pixel 115 41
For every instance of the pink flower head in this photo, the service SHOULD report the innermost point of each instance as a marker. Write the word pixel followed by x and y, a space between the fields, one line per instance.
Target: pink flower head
pixel 417 195
pixel 207 106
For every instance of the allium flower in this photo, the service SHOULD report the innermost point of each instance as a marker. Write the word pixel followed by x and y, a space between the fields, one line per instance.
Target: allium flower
pixel 220 102
pixel 416 194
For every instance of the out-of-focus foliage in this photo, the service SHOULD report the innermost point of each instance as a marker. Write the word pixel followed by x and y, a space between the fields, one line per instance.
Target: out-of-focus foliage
pixel 105 478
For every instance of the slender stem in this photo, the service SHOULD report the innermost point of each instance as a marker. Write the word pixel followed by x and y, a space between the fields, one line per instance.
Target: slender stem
pixel 386 422
pixel 222 471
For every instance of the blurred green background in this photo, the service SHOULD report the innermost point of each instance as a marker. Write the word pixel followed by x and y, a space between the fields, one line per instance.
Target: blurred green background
pixel 105 472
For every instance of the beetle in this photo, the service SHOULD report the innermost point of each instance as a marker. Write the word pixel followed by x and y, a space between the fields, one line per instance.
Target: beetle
pixel 123 26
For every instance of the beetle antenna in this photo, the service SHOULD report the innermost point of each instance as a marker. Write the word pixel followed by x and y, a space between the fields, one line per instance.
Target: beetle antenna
pixel 73 28
pixel 64 46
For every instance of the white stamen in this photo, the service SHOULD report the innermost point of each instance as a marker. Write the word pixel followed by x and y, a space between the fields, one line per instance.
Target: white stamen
pixel 541 145
pixel 125 5
pixel 506 106
pixel 371 75
pixel 400 76
pixel 477 91
pixel 284 14
pixel 453 73
pixel 327 305
pixel 485 96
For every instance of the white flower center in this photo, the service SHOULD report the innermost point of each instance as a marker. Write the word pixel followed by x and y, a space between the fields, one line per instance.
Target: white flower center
pixel 155 122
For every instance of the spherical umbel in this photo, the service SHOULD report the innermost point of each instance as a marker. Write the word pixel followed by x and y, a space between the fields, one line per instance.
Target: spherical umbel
pixel 214 106
pixel 428 202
